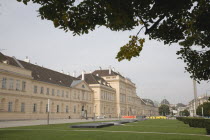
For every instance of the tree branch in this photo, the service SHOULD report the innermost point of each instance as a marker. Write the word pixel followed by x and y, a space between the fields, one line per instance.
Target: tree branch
pixel 154 25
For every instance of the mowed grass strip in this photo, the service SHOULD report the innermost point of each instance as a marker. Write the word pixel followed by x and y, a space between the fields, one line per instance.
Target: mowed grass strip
pixel 63 132
pixel 166 126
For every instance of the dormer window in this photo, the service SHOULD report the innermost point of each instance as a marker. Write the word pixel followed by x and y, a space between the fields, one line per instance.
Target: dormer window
pixel 6 62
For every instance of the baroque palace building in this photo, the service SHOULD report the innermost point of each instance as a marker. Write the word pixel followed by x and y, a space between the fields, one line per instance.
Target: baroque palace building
pixel 26 88
pixel 127 101
pixel 104 95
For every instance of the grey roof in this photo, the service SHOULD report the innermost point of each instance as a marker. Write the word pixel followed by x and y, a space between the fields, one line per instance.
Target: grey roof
pixel 148 101
pixel 40 73
pixel 106 73
pixel 93 79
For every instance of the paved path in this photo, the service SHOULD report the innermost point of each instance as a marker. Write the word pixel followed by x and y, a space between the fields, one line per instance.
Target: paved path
pixel 107 131
pixel 4 124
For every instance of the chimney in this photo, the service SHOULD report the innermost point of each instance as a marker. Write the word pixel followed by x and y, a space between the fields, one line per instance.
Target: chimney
pixel 68 73
pixel 62 71
pixel 74 74
pixel 27 59
pixel 83 75
pixel 113 69
pixel 110 70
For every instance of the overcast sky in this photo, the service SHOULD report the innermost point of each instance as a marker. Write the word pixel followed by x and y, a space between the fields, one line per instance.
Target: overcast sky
pixel 157 73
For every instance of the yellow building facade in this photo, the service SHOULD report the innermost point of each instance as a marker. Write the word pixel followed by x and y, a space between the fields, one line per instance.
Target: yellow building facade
pixel 26 88
pixel 127 101
pixel 104 96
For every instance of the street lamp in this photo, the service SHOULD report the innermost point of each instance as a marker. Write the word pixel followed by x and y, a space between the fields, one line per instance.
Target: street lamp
pixel 195 97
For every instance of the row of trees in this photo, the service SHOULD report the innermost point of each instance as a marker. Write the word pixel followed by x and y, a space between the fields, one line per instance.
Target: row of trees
pixel 206 109
pixel 164 110
pixel 202 110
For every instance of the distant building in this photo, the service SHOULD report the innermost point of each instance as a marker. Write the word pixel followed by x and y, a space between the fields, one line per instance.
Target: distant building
pixel 150 107
pixel 127 101
pixel 200 101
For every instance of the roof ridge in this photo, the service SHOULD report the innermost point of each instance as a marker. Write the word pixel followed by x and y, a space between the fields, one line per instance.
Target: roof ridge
pixel 48 69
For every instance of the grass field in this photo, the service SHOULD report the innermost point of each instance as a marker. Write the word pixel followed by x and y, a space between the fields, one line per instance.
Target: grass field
pixel 143 130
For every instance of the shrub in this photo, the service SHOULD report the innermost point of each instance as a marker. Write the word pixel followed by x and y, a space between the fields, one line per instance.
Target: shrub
pixel 207 125
pixel 197 122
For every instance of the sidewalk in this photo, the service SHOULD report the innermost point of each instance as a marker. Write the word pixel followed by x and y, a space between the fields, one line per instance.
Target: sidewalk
pixel 4 124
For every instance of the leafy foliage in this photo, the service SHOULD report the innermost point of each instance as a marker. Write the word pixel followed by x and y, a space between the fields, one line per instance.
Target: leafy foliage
pixel 164 110
pixel 186 22
pixel 206 109
pixel 184 113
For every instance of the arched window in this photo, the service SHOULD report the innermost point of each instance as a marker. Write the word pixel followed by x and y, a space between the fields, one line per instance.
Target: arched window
pixel 10 109
pixel 58 109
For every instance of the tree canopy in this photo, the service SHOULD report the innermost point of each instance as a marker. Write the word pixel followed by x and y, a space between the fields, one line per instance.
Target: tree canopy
pixel 186 22
pixel 164 110
pixel 206 109
pixel 184 113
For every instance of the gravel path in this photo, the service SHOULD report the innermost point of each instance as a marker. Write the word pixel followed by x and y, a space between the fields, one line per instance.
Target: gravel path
pixel 5 124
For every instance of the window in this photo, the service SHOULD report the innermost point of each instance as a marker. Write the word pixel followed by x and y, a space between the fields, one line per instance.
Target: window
pixel 46 108
pixel 67 94
pixel 74 94
pixel 48 91
pixel 18 85
pixel 42 90
pixel 22 109
pixel 57 108
pixel 10 107
pixel 83 95
pixel 34 108
pixel 78 97
pixel 58 92
pixel 11 84
pixel 75 109
pixel 23 86
pixel 53 92
pixel 67 109
pixel 4 83
pixel 62 93
pixel 35 89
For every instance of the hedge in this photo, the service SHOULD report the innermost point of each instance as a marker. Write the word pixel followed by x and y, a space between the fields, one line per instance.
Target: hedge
pixel 196 122
pixel 207 125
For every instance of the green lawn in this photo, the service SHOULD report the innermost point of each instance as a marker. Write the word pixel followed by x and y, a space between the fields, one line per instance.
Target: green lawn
pixel 143 130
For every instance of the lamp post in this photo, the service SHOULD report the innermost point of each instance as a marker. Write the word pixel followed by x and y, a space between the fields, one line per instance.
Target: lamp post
pixel 94 112
pixel 195 97
pixel 48 111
